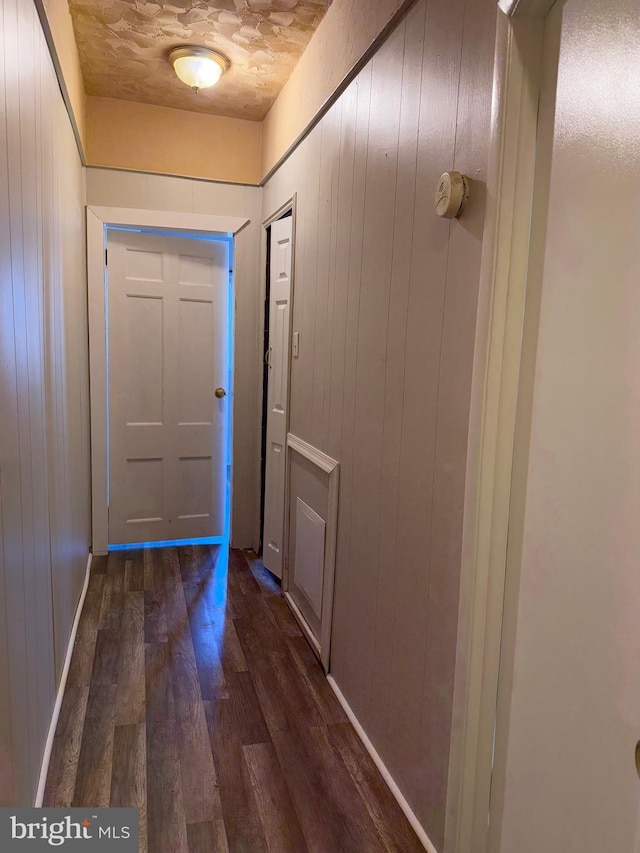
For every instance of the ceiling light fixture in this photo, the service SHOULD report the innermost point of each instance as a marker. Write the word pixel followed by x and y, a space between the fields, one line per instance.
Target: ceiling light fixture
pixel 198 67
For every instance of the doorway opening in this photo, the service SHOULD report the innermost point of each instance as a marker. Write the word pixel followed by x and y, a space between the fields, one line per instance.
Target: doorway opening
pixel 169 344
pixel 279 233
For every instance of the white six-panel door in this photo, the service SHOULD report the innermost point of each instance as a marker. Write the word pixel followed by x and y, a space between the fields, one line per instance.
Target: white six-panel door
pixel 277 395
pixel 168 328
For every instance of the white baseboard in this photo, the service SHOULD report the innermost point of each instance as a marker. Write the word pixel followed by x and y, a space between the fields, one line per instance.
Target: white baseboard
pixel 388 778
pixel 302 624
pixel 44 768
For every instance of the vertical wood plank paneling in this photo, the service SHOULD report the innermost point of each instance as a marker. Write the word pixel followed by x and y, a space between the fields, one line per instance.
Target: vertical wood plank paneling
pixel 324 237
pixel 380 189
pixel 397 320
pixel 21 643
pixel 391 327
pixel 454 390
pixel 36 431
pixel 328 439
pixel 342 241
pixel 353 281
pixel 42 664
pixel 339 317
pixel 306 275
pixel 441 67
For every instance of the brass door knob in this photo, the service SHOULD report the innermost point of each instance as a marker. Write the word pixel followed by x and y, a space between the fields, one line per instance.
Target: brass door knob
pixel 220 393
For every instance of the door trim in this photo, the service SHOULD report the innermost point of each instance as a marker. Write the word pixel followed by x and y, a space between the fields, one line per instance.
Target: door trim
pixel 506 252
pixel 98 220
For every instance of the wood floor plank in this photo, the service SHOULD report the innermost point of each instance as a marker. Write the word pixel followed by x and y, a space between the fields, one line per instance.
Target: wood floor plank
pixel 320 821
pixel 303 708
pixel 246 579
pixel 280 822
pixel 386 814
pixel 65 754
pixel 189 562
pixel 134 571
pixel 81 667
pixel 207 837
pixel 106 659
pixel 148 570
pixel 158 683
pixel 193 696
pixel 200 791
pixel 155 625
pixel 272 701
pixel 93 779
pixel 233 659
pixel 315 681
pixel 166 824
pixel 249 719
pixel 205 631
pixel 283 616
pixel 131 694
pixel 241 816
pixel 129 774
pixel 112 597
pixel 357 829
pixel 201 799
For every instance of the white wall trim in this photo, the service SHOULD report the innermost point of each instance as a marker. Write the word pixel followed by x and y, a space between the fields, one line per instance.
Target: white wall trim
pixel 98 218
pixel 46 758
pixel 319 459
pixel 332 468
pixel 302 622
pixel 173 220
pixel 494 398
pixel 388 778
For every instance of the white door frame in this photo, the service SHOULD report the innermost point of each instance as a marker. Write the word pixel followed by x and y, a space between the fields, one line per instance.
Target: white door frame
pixel 487 609
pixel 290 204
pixel 98 220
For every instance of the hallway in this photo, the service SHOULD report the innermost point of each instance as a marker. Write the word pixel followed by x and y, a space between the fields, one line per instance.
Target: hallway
pixel 193 695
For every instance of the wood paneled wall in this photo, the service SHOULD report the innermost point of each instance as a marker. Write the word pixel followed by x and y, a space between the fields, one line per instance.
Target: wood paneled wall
pixel 44 442
pixel 385 299
pixel 113 188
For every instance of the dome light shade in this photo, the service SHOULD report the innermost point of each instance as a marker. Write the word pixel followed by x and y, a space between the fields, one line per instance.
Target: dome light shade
pixel 198 67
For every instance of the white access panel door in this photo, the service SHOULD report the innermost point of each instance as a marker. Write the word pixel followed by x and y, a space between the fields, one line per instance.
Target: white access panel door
pixel 168 329
pixel 277 395
pixel 571 780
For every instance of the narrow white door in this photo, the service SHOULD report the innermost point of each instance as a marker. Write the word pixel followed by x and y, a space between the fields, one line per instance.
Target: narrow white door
pixel 569 748
pixel 168 329
pixel 277 395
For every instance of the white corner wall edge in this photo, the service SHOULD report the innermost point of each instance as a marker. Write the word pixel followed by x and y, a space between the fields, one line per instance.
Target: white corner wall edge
pixel 388 778
pixel 46 758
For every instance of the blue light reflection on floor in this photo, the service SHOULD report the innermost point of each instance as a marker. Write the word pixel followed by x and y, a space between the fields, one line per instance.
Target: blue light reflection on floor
pixel 171 543
pixel 209 605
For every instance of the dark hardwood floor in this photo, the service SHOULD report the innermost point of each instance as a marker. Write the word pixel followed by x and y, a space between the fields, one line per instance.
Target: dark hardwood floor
pixel 193 695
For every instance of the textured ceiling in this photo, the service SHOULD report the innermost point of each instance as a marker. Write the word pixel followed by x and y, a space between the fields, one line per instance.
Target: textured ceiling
pixel 123 47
